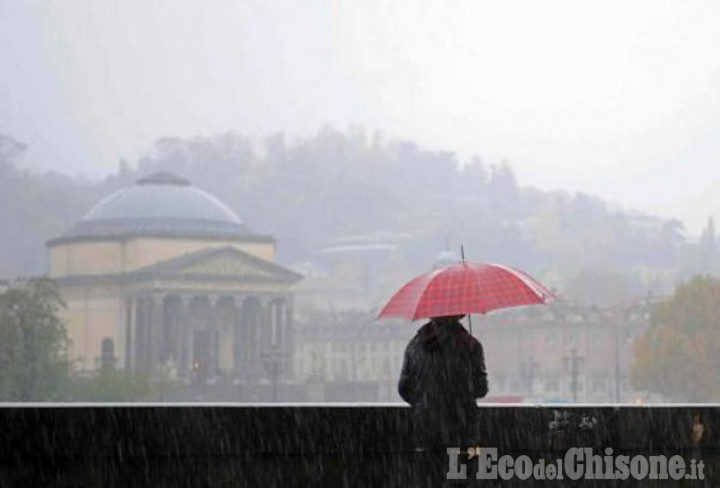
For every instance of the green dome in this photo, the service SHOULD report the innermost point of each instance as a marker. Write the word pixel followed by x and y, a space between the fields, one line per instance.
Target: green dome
pixel 162 196
pixel 162 205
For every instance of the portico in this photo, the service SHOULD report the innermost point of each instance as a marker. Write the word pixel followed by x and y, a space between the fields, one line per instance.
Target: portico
pixel 208 329
pixel 208 335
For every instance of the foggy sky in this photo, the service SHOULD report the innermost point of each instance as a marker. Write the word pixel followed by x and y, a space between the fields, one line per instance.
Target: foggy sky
pixel 616 98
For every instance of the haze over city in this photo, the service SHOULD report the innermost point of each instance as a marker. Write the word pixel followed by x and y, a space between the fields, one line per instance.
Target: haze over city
pixel 619 99
pixel 433 226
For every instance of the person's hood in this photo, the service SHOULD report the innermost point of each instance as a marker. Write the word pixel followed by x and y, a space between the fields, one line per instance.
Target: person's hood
pixel 435 336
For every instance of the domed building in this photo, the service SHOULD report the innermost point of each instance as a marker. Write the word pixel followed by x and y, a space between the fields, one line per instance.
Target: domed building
pixel 164 275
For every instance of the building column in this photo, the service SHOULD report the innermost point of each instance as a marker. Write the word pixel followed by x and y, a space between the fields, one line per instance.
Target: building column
pixel 275 344
pixel 248 339
pixel 183 337
pixel 141 343
pixel 130 319
pixel 239 335
pixel 254 340
pixel 156 322
pixel 213 335
pixel 288 335
pixel 225 315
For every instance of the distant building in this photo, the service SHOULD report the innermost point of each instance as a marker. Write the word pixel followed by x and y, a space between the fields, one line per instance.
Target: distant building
pixel 562 352
pixel 559 352
pixel 349 356
pixel 354 272
pixel 162 276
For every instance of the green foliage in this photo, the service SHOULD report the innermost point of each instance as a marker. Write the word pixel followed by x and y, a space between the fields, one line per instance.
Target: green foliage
pixel 33 363
pixel 34 208
pixel 679 355
pixel 110 385
pixel 703 256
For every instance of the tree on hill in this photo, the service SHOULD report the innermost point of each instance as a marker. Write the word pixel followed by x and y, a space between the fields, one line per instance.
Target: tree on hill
pixel 679 355
pixel 309 190
pixel 35 207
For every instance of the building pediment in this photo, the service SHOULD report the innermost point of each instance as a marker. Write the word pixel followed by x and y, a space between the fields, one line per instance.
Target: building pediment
pixel 213 265
pixel 220 263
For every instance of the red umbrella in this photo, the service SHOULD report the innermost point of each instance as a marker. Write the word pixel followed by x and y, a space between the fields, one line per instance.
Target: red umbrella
pixel 465 288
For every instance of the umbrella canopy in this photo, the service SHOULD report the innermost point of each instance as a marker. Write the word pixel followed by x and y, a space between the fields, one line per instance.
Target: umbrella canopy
pixel 465 288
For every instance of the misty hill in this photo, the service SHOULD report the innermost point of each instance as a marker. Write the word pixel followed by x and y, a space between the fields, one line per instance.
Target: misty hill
pixel 309 192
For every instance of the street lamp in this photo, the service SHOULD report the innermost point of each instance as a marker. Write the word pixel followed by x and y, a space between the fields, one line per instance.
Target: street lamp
pixel 527 373
pixel 275 362
pixel 572 365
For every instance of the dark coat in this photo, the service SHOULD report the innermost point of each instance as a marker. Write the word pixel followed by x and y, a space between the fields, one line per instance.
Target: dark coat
pixel 442 376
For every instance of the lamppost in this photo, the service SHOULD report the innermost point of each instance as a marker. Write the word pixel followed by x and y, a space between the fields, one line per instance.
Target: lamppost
pixel 275 361
pixel 572 365
pixel 622 337
pixel 527 373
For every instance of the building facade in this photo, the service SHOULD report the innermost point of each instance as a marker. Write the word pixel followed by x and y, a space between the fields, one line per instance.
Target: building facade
pixel 163 277
pixel 563 352
pixel 567 352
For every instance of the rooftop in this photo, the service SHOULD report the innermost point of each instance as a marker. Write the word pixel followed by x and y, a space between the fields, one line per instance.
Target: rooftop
pixel 160 204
